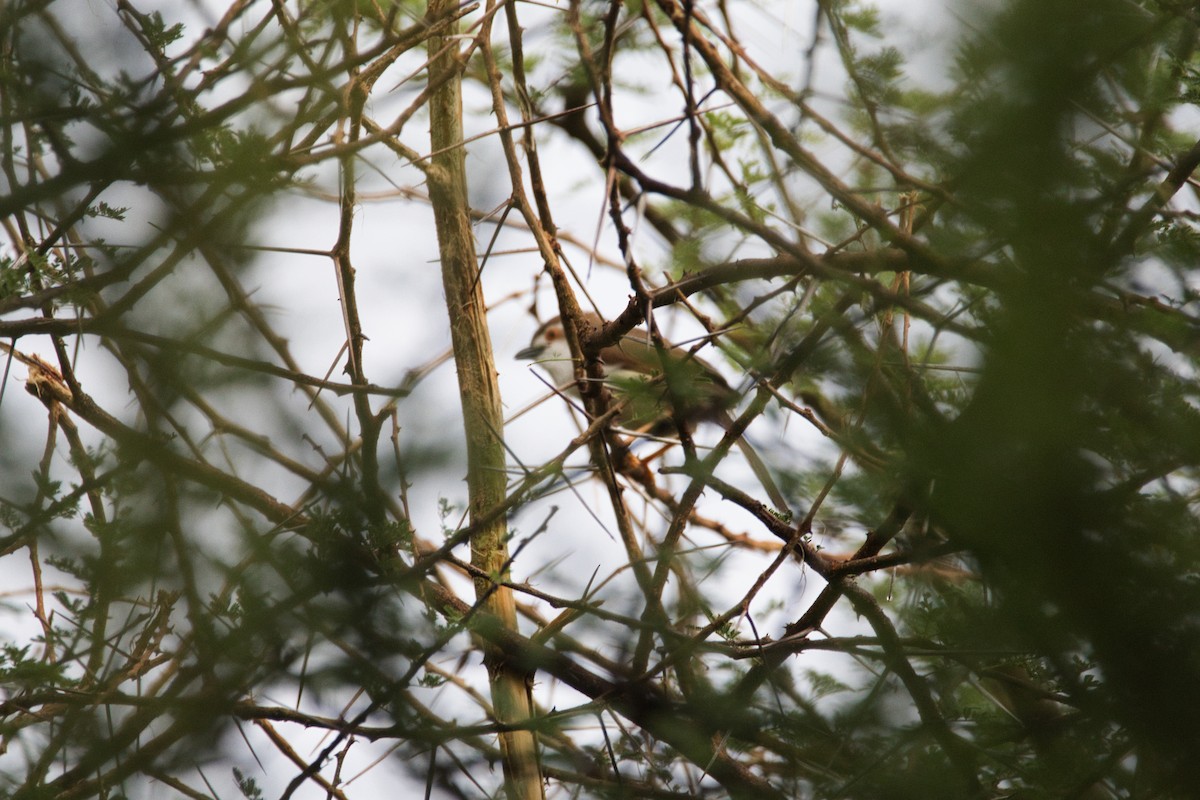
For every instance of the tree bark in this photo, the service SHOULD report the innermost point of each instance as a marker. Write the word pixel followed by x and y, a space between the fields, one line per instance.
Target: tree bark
pixel 481 407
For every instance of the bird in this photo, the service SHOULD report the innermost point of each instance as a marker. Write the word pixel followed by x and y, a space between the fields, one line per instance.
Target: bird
pixel 660 388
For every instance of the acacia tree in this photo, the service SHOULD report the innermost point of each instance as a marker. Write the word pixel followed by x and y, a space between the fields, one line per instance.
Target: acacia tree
pixel 958 308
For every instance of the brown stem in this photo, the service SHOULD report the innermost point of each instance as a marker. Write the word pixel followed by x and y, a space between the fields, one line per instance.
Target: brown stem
pixel 482 414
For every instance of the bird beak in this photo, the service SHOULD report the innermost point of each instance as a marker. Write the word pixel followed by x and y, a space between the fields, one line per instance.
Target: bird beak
pixel 531 353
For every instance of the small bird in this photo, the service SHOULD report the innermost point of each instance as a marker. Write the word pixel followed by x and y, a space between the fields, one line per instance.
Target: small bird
pixel 659 388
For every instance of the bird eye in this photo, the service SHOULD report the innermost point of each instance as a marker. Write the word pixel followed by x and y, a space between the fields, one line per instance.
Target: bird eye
pixel 552 334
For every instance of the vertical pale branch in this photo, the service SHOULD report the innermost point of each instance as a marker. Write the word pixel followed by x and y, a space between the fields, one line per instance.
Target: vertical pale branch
pixel 480 395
